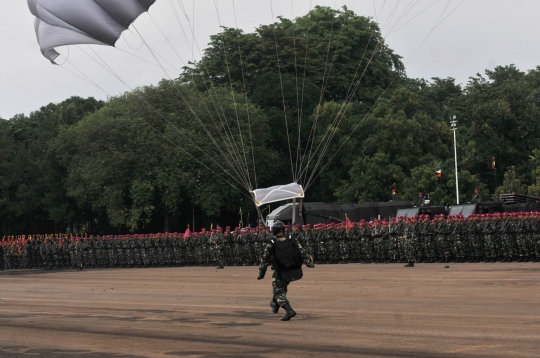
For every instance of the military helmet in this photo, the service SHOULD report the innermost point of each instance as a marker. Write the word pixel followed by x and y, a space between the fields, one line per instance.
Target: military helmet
pixel 278 227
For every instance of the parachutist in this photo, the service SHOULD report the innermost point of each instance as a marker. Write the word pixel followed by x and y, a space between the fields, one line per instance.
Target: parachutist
pixel 286 256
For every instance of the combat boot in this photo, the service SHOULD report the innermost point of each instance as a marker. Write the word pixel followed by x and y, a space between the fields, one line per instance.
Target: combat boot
pixel 410 264
pixel 274 305
pixel 289 312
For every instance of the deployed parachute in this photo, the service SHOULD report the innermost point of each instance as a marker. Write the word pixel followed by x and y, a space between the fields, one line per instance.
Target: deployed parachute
pixel 102 22
pixel 67 22
pixel 277 193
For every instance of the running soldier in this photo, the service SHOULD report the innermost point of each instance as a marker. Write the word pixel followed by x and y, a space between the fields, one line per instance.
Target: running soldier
pixel 286 256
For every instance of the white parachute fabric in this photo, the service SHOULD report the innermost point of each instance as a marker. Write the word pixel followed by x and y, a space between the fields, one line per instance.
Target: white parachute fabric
pixel 277 193
pixel 68 22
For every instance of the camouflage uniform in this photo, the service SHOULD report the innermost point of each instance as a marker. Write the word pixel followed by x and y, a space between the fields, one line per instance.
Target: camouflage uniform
pixel 366 242
pixel 394 229
pixel 2 254
pixel 487 230
pixel 507 236
pixel 279 286
pixel 411 239
pixel 428 240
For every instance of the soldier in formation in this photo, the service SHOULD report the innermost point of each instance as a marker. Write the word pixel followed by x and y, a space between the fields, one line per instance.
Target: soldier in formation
pixel 502 237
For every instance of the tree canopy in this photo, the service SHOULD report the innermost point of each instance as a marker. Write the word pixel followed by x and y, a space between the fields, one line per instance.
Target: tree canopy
pixel 155 157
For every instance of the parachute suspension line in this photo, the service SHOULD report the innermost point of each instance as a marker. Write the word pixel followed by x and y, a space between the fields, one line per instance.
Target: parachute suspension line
pixel 235 167
pixel 85 76
pixel 192 156
pixel 414 17
pixel 337 120
pixel 181 5
pixel 190 109
pixel 223 120
pixel 390 17
pixel 301 111
pixel 176 70
pixel 196 116
pixel 193 32
pixel 375 12
pixel 451 12
pixel 140 58
pixel 114 74
pixel 166 39
pixel 245 95
pixel 131 47
pixel 104 65
pixel 295 178
pixel 241 164
pixel 227 129
pixel 439 22
pixel 84 79
pixel 313 130
pixel 234 100
pixel 340 115
pixel 156 130
pixel 402 16
pixel 66 58
pixel 281 87
pixel 350 92
pixel 299 98
pixel 329 135
pixel 312 134
pixel 380 11
pixel 195 158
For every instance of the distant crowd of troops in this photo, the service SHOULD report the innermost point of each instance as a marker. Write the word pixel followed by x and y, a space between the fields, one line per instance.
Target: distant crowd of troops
pixel 503 237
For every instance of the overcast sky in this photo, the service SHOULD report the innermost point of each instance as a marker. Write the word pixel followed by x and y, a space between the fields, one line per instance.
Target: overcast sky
pixel 477 35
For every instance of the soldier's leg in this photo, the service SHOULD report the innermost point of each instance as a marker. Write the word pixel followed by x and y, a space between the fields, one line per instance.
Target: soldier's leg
pixel 279 290
pixel 536 240
pixel 220 259
pixel 410 251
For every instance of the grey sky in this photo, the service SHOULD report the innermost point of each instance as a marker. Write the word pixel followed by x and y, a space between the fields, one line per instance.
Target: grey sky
pixel 479 35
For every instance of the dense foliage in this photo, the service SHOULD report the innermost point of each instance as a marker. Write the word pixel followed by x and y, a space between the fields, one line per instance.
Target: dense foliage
pixel 138 162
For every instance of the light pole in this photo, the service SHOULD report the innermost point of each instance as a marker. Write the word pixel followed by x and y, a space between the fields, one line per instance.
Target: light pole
pixel 453 126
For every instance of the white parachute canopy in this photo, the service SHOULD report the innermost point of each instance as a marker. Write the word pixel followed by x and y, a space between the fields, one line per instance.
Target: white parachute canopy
pixel 69 22
pixel 277 193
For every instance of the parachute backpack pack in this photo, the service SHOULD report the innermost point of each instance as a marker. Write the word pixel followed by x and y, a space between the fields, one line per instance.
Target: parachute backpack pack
pixel 288 261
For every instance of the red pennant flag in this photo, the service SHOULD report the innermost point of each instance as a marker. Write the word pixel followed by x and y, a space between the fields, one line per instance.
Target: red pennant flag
pixel 348 223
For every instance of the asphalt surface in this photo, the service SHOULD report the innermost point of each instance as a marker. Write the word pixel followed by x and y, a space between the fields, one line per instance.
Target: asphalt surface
pixel 375 310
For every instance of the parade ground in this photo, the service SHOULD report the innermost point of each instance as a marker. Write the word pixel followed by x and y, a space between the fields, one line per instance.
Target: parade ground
pixel 373 310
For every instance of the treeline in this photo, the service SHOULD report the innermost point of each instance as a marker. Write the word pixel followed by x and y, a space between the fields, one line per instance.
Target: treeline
pixel 144 161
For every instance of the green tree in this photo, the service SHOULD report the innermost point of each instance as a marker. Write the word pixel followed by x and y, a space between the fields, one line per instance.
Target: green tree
pixel 325 47
pixel 135 164
pixel 534 189
pixel 502 115
pixel 396 142
pixel 511 185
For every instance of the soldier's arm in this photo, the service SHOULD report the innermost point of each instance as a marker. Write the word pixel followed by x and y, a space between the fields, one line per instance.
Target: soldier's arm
pixel 307 259
pixel 265 261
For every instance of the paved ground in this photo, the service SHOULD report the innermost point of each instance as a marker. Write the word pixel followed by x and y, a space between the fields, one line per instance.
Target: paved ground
pixel 377 310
